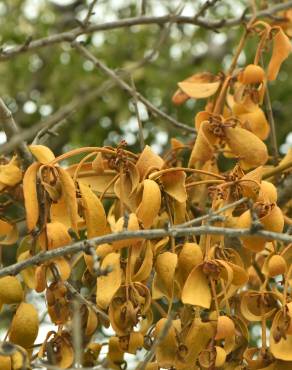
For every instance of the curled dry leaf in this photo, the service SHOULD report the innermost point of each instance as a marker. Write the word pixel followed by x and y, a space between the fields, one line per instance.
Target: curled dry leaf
pixel 69 193
pixel 281 49
pixel 10 174
pixel 42 153
pixel 106 286
pixel 30 195
pixel 196 290
pixel 148 161
pixel 247 146
pixel 94 213
pixel 164 278
pixel 174 185
pixel 150 195
pixel 199 86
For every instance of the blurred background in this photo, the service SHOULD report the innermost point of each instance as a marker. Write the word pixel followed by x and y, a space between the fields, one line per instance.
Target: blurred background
pixel 38 83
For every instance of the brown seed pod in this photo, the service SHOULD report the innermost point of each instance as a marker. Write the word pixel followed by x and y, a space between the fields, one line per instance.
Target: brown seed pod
pixel 225 328
pixel 276 265
pixel 24 326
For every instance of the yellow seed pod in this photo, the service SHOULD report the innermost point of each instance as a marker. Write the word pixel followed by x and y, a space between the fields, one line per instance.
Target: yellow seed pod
pixel 225 328
pixel 267 193
pixel 276 265
pixel 25 325
pixel 10 290
pixel 252 74
pixel 5 363
pixel 220 356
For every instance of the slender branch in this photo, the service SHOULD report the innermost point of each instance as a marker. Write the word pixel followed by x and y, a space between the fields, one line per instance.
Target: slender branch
pixel 63 113
pixel 83 245
pixel 284 191
pixel 132 92
pixel 82 299
pixel 71 35
pixel 10 128
pixel 150 354
pixel 213 214
pixel 140 125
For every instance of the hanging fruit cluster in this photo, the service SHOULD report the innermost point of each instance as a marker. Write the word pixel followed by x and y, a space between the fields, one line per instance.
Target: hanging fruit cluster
pixel 190 301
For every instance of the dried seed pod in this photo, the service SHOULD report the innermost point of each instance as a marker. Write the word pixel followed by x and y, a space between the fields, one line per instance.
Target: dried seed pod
pixel 252 74
pixel 225 328
pixel 24 326
pixel 276 265
pixel 10 290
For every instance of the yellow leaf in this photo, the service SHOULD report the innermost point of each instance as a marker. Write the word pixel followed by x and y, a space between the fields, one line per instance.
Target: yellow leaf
pixel 150 196
pixel 163 282
pixel 252 151
pixel 281 49
pixel 203 149
pixel 106 286
pixel 200 85
pixel 27 274
pixel 57 235
pixel 174 185
pixel 148 161
pixel 196 290
pixel 190 256
pixel 10 174
pixel 94 213
pixel 42 153
pixel 98 165
pixel 30 196
pixel 69 193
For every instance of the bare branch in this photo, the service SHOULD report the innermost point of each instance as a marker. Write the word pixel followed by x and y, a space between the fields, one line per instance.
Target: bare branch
pixel 71 35
pixel 132 92
pixel 63 113
pixel 82 246
pixel 10 128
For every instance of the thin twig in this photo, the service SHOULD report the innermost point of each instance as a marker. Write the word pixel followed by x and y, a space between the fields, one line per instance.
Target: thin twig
pixel 119 81
pixel 82 299
pixel 269 111
pixel 10 128
pixel 140 125
pixel 211 215
pixel 71 35
pixel 86 21
pixel 150 354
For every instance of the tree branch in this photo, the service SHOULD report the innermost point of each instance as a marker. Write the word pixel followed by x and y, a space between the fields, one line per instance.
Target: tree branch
pixel 83 245
pixel 10 128
pixel 71 35
pixel 132 92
